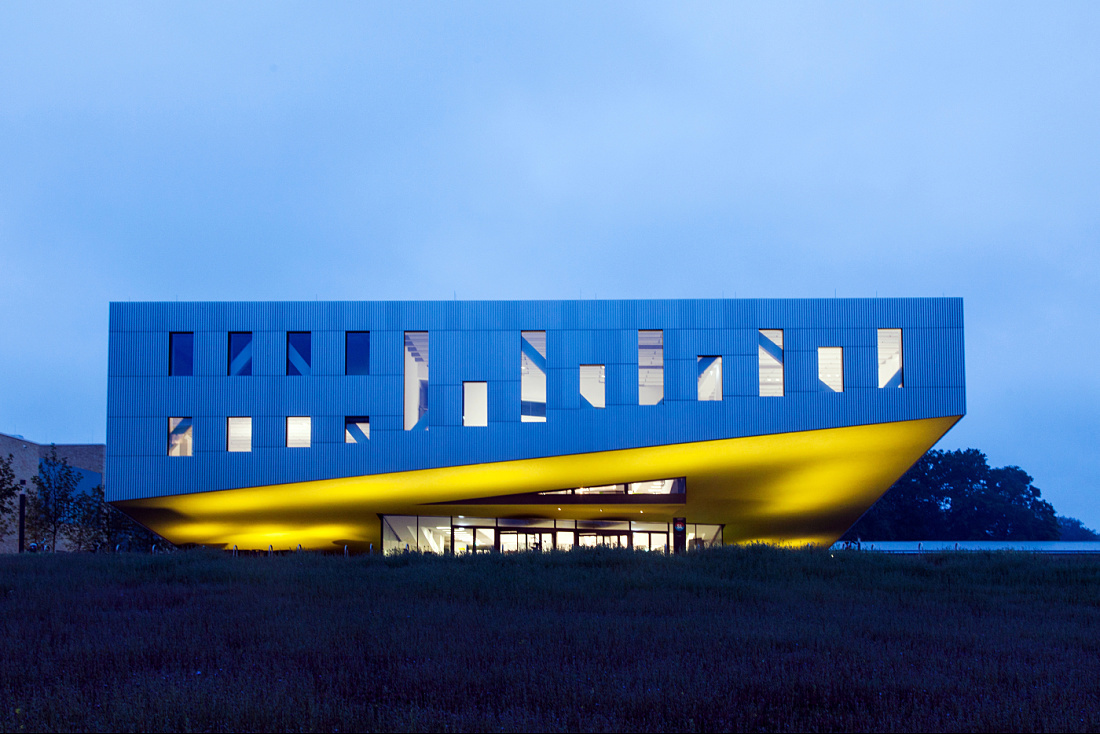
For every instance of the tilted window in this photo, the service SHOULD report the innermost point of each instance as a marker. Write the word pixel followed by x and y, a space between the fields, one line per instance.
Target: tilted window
pixel 181 354
pixel 651 367
pixel 357 353
pixel 592 386
pixel 830 368
pixel 238 434
pixel 475 403
pixel 710 378
pixel 416 380
pixel 770 350
pixel 889 358
pixel 356 429
pixel 298 353
pixel 532 347
pixel 179 437
pixel 240 353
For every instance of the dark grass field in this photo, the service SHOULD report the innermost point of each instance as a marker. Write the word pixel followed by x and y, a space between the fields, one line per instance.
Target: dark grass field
pixel 725 639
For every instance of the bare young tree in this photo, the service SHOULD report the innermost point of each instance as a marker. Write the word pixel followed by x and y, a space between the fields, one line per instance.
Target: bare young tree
pixel 52 503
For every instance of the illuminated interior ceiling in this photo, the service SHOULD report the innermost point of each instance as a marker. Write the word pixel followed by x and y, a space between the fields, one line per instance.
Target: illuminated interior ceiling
pixel 786 488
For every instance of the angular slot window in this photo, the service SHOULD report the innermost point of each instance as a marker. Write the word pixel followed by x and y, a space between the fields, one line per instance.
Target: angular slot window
pixel 651 367
pixel 532 346
pixel 181 361
pixel 238 434
pixel 356 429
pixel 298 353
pixel 240 353
pixel 299 431
pixel 416 380
pixel 357 353
pixel 830 368
pixel 710 378
pixel 889 358
pixel 475 403
pixel 771 362
pixel 592 386
pixel 179 436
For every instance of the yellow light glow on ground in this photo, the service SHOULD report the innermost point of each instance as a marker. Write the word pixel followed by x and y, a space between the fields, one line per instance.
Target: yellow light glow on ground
pixel 787 488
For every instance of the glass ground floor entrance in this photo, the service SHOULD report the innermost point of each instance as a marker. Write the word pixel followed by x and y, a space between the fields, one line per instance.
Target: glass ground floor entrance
pixel 460 534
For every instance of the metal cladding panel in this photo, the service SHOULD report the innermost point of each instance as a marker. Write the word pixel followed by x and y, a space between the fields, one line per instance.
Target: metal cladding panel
pixel 480 341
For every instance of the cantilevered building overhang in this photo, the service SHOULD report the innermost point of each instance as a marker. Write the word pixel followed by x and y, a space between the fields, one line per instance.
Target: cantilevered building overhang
pixel 460 426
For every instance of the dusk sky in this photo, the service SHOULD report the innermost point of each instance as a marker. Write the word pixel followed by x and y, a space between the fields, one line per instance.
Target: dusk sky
pixel 279 151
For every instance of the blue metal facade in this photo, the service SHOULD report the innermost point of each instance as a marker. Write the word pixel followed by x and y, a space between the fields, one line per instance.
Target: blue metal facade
pixel 480 341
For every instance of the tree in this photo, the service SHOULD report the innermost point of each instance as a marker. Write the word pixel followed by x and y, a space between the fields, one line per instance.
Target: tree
pixel 955 495
pixel 87 529
pixel 8 495
pixel 1073 529
pixel 52 504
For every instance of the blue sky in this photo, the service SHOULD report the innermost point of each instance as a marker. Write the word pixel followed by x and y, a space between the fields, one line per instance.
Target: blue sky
pixel 155 151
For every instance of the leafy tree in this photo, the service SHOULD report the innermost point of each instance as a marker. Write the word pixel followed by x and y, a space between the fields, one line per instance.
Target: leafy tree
pixel 1074 529
pixel 51 505
pixel 8 495
pixel 955 495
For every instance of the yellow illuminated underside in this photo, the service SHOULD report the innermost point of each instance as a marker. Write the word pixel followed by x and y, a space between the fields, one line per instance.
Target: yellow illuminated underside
pixel 786 488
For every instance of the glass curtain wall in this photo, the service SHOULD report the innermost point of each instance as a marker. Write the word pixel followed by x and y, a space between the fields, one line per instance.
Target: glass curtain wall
pixel 416 380
pixel 532 376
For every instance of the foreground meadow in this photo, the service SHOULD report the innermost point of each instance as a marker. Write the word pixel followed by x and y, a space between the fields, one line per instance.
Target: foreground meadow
pixel 724 639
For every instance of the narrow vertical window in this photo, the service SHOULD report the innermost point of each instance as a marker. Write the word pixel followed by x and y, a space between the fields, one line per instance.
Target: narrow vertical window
pixel 416 380
pixel 297 352
pixel 238 434
pixel 299 431
pixel 356 429
pixel 475 403
pixel 771 362
pixel 830 368
pixel 889 358
pixel 179 436
pixel 651 367
pixel 240 353
pixel 592 386
pixel 532 347
pixel 710 378
pixel 357 353
pixel 181 360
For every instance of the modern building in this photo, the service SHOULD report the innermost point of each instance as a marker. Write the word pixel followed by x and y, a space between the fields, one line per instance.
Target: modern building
pixel 27 456
pixel 470 426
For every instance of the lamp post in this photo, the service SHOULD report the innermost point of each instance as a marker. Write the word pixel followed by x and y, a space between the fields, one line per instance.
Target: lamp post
pixel 22 512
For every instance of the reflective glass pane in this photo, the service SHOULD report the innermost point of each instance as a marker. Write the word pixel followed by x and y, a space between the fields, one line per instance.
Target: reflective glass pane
pixel 357 353
pixel 463 540
pixel 298 431
pixel 435 534
pixel 240 353
pixel 356 429
pixel 710 377
pixel 770 349
pixel 889 358
pixel 592 386
pixel 830 368
pixel 475 403
pixel 398 533
pixel 179 436
pixel 238 434
pixel 181 361
pixel 484 539
pixel 416 380
pixel 298 353
pixel 532 376
pixel 651 367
